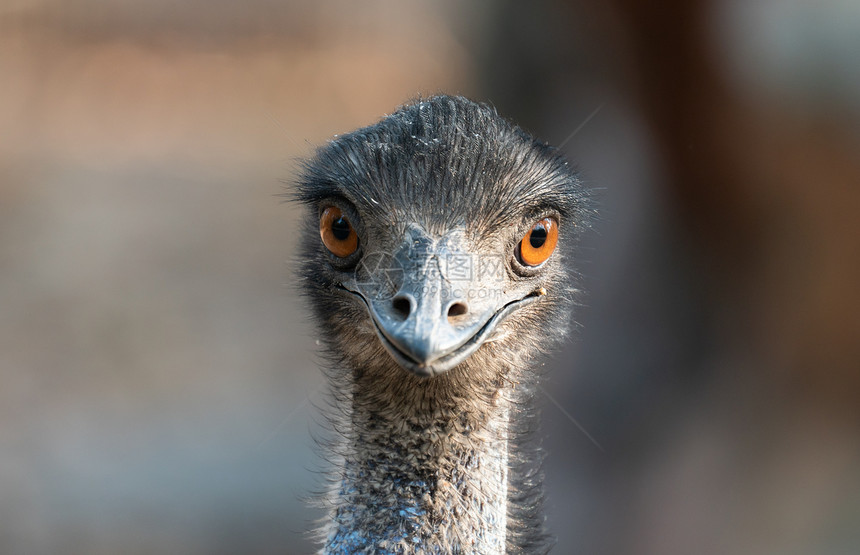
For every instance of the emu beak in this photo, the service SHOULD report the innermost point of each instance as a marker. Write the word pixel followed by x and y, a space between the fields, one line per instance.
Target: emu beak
pixel 432 303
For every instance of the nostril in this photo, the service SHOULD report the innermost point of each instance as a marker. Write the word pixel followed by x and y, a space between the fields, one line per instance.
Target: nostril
pixel 402 307
pixel 457 309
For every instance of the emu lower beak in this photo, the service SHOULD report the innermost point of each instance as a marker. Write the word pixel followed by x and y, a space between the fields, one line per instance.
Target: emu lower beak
pixel 438 305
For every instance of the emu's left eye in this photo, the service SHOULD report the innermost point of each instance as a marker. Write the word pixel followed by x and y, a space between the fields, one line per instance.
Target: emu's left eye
pixel 539 243
pixel 337 233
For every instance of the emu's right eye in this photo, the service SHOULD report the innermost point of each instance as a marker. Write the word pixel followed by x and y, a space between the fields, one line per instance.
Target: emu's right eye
pixel 539 243
pixel 337 233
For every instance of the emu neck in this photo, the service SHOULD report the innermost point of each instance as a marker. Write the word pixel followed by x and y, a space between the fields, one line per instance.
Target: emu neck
pixel 425 471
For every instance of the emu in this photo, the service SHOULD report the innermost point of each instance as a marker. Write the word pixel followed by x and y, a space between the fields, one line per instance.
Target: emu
pixel 436 259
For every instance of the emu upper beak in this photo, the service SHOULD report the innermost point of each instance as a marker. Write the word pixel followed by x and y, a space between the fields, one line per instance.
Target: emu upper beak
pixel 432 303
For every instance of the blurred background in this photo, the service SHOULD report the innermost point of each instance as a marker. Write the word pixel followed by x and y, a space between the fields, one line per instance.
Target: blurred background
pixel 158 374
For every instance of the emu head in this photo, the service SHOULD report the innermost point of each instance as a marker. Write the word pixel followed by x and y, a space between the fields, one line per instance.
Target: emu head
pixel 436 242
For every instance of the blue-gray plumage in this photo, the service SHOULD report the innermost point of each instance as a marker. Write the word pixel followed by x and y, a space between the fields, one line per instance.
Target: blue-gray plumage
pixel 436 258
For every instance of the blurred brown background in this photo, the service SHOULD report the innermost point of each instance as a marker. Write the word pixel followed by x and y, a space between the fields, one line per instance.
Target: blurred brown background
pixel 157 374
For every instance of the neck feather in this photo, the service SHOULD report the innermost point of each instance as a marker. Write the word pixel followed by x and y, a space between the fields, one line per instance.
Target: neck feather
pixel 425 470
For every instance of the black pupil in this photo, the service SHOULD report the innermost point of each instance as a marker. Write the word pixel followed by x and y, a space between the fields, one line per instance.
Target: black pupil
pixel 538 236
pixel 340 228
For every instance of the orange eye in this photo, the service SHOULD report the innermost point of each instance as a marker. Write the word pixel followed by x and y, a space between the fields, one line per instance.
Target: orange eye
pixel 337 233
pixel 539 243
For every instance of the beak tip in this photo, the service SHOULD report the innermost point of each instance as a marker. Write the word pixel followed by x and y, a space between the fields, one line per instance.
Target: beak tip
pixel 422 354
